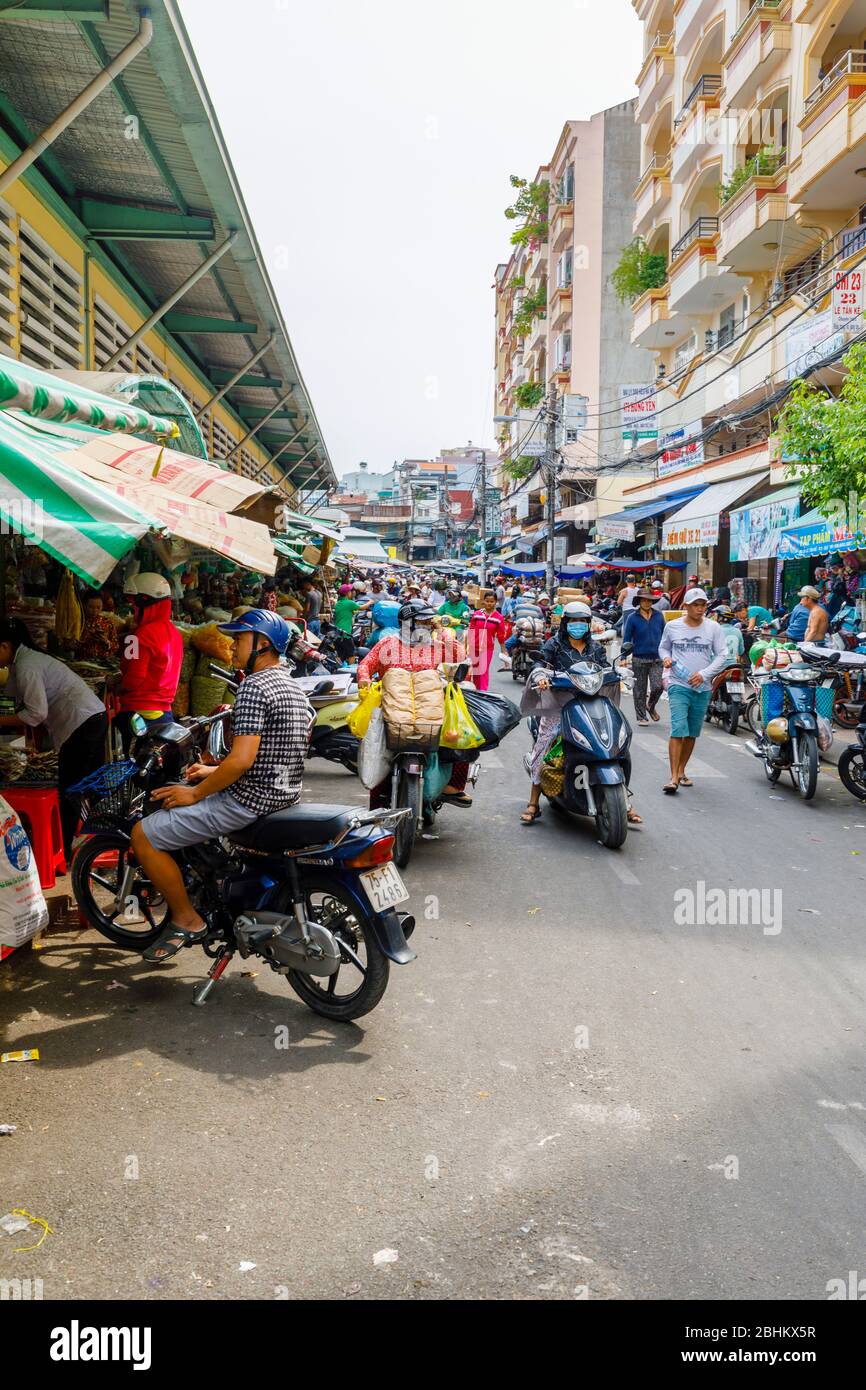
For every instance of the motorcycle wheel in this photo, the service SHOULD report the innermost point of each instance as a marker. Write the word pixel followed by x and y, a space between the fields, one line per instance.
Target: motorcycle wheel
pixel 409 794
pixel 845 714
pixel 753 716
pixel 732 718
pixel 611 819
pixel 807 772
pixel 852 771
pixel 353 991
pixel 97 870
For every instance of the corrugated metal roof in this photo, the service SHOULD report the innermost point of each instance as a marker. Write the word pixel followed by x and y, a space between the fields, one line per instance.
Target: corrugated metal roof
pixel 179 163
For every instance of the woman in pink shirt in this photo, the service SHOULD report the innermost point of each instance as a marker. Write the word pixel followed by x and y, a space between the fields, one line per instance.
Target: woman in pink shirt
pixel 486 627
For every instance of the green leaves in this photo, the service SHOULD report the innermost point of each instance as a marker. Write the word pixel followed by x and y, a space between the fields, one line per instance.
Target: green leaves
pixel 529 394
pixel 534 306
pixel 639 270
pixel 531 208
pixel 826 437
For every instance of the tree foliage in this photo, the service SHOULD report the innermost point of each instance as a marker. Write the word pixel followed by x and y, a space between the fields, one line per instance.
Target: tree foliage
pixel 639 270
pixel 531 208
pixel 519 469
pixel 825 438
pixel 529 394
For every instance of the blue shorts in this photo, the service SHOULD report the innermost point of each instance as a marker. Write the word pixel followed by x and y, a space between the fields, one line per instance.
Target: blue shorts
pixel 213 816
pixel 688 710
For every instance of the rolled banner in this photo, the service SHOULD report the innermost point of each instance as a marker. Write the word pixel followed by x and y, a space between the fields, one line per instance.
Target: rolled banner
pixel 47 398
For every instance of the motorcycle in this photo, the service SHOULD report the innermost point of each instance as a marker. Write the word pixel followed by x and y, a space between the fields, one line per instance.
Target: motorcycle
pixel 727 699
pixel 790 732
pixel 852 764
pixel 521 661
pixel 596 740
pixel 845 637
pixel 310 890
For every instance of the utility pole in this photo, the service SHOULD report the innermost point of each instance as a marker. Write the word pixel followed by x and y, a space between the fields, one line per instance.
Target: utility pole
pixel 550 474
pixel 483 496
pixel 411 554
pixel 447 508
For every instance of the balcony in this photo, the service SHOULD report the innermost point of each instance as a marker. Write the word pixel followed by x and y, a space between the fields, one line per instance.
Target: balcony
pixel 562 226
pixel 834 136
pixel 652 194
pixel 751 223
pixel 690 17
pixel 537 335
pixel 652 326
pixel 655 76
pixel 537 264
pixel 562 368
pixel 754 51
pixel 693 133
pixel 697 283
pixel 561 304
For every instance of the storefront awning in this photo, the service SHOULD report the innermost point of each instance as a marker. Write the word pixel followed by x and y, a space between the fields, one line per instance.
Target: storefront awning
pixel 356 544
pixel 698 522
pixel 815 534
pixel 620 526
pixel 48 397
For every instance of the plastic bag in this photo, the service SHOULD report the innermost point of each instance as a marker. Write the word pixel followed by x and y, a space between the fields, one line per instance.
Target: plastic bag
pixel 374 762
pixel 459 729
pixel 23 910
pixel 825 734
pixel 359 719
pixel 494 716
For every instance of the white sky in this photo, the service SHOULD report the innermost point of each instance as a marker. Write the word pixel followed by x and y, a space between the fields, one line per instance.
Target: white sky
pixel 373 141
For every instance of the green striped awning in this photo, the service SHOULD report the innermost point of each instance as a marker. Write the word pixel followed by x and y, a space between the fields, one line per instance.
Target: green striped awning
pixel 83 525
pixel 48 397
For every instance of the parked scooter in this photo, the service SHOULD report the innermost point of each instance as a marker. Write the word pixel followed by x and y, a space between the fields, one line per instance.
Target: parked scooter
pixel 596 740
pixel 333 697
pixel 789 739
pixel 727 700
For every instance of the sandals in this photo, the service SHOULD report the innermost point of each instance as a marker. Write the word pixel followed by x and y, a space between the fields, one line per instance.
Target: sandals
pixel 633 817
pixel 686 782
pixel 654 717
pixel 531 815
pixel 671 788
pixel 170 941
pixel 456 798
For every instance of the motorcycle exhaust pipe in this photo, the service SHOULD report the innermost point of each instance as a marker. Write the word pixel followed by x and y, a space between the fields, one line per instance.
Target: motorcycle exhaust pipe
pixel 753 748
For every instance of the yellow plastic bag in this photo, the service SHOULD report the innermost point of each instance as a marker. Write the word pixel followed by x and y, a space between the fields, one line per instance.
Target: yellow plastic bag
pixel 360 717
pixel 459 729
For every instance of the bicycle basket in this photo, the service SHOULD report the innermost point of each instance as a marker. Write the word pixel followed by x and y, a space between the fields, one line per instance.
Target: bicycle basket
pixel 106 796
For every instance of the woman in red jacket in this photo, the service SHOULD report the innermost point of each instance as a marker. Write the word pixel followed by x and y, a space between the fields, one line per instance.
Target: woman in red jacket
pixel 486 626
pixel 151 655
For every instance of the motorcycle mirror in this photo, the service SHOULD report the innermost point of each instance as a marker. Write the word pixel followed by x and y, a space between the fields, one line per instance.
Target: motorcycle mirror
pixel 217 743
pixel 138 725
pixel 627 649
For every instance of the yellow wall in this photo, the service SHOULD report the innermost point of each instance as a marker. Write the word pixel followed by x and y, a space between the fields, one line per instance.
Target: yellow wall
pixel 45 222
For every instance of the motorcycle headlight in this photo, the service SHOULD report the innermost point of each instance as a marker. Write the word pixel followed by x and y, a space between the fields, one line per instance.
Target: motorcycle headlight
pixel 588 682
pixel 777 730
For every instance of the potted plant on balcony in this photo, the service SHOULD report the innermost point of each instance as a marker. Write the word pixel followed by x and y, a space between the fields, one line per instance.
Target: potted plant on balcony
pixel 529 394
pixel 533 307
pixel 763 164
pixel 532 209
pixel 639 270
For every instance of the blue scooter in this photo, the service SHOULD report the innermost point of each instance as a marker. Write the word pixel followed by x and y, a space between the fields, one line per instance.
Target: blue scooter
pixel 596 739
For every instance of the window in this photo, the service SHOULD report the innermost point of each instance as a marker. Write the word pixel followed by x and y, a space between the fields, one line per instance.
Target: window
pixel 727 325
pixel 147 364
pixel 565 187
pixel 685 353
pixel 799 275
pixel 52 307
pixel 562 351
pixel 223 441
pixel 565 270
pixel 109 334
pixel 8 273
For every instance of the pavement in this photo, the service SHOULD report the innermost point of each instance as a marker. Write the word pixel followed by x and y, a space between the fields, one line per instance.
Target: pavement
pixel 596 1081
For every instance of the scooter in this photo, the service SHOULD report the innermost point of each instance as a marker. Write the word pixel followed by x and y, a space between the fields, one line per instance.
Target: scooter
pixel 596 740
pixel 727 699
pixel 333 696
pixel 789 738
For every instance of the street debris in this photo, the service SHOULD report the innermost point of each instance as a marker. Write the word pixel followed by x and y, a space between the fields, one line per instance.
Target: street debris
pixel 28 1054
pixel 246 1265
pixel 8 1129
pixel 386 1257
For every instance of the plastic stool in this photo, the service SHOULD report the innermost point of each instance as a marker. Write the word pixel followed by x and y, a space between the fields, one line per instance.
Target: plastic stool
pixel 39 809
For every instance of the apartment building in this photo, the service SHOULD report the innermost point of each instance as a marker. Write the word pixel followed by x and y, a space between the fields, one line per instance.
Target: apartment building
pixel 559 322
pixel 752 192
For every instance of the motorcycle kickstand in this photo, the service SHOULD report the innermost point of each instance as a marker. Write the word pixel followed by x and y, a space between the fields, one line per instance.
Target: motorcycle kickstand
pixel 201 992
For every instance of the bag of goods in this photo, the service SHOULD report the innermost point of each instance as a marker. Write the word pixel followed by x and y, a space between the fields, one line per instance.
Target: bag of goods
pixel 181 704
pixel 459 730
pixel 188 665
pixel 206 692
pixel 413 706
pixel 23 910
pixel 494 716
pixel 215 644
pixel 68 617
pixel 359 720
pixel 374 762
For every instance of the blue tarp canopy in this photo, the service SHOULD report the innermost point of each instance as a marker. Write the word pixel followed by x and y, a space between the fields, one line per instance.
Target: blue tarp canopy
pixel 642 511
pixel 539 571
pixel 816 535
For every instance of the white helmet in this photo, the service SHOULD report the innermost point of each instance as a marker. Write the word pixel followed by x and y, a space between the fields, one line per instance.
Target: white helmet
pixel 577 610
pixel 151 586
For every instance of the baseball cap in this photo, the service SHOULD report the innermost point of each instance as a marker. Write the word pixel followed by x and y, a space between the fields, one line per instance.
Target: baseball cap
pixel 808 591
pixel 696 596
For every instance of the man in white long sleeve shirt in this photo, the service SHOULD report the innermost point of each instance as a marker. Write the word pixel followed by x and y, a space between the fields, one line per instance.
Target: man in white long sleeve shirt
pixel 694 651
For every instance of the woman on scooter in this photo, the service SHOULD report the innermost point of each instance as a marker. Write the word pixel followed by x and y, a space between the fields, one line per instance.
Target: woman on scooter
pixel 573 642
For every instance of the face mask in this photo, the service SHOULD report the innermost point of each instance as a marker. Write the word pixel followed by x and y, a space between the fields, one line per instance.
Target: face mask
pixel 578 629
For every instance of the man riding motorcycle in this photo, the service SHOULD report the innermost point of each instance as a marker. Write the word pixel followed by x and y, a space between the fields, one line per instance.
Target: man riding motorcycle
pixel 416 648
pixel 262 773
pixel 572 643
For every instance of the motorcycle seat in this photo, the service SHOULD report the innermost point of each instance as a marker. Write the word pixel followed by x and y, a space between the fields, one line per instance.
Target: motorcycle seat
pixel 295 827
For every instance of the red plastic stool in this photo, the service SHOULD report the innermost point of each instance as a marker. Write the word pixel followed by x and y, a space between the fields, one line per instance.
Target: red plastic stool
pixel 39 809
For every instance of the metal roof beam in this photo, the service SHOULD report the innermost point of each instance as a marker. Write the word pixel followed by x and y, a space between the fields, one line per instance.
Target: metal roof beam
pixel 92 11
pixel 200 323
pixel 220 375
pixel 231 378
pixel 161 314
pixel 271 415
pixel 261 412
pixel 120 222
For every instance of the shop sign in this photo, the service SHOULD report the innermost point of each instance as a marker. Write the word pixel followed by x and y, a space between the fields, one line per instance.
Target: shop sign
pixel 819 539
pixel 683 448
pixel 847 301
pixel 756 531
pixel 689 535
pixel 809 341
pixel 638 405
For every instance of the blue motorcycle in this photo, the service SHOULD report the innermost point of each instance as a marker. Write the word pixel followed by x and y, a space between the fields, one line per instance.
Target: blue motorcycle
pixel 596 760
pixel 789 740
pixel 310 890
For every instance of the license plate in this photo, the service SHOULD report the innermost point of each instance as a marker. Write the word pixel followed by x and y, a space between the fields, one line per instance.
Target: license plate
pixel 384 887
pixel 736 687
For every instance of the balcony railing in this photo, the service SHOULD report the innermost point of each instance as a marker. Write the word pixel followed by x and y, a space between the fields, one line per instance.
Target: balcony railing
pixel 701 227
pixel 850 241
pixel 854 61
pixel 660 41
pixel 707 86
pixel 755 5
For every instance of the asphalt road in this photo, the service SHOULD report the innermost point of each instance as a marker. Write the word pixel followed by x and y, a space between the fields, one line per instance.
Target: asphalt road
pixel 569 1094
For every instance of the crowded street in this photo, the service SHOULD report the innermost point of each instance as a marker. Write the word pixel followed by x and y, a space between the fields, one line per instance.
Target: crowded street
pixel 470 1124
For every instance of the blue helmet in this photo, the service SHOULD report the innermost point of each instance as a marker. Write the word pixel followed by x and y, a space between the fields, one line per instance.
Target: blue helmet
pixel 267 624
